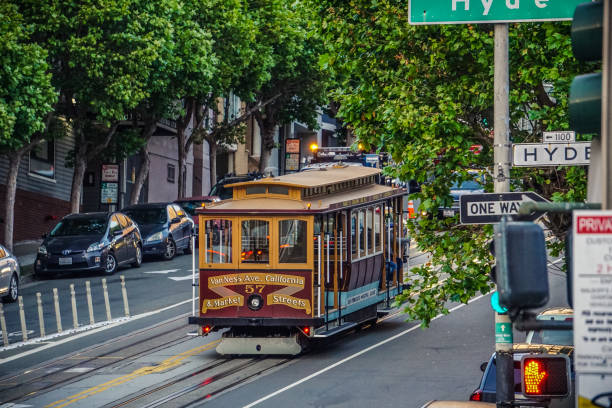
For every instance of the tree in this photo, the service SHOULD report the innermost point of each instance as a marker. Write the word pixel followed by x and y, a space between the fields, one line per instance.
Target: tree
pixel 102 56
pixel 26 102
pixel 424 94
pixel 296 82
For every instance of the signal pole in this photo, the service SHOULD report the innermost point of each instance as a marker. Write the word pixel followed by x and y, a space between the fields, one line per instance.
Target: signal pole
pixel 501 169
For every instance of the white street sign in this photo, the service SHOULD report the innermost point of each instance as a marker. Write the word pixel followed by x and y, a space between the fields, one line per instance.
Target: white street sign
pixel 551 154
pixel 559 136
pixel 592 291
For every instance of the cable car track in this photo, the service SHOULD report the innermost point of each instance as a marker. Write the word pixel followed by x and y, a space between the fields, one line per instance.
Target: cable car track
pixel 45 379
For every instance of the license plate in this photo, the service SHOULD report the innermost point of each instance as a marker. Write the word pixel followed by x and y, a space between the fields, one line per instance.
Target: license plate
pixel 448 213
pixel 65 261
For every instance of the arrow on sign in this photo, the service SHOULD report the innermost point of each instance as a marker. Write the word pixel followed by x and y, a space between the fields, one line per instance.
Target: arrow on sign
pixel 489 208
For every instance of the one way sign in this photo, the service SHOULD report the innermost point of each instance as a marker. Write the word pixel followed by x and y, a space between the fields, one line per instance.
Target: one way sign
pixel 489 208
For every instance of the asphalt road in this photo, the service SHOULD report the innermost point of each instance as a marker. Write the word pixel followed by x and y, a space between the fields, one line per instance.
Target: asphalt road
pixel 394 363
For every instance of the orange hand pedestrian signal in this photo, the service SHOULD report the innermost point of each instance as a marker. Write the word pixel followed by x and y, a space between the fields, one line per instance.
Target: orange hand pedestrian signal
pixel 545 375
pixel 533 377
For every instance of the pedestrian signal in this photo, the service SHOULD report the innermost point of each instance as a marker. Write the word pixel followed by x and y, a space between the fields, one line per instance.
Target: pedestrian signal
pixel 545 375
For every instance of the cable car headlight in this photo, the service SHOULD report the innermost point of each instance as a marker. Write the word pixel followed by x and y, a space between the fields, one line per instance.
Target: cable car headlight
pixel 255 302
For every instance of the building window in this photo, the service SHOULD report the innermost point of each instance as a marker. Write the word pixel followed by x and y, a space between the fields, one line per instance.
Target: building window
pixel 171 171
pixel 42 160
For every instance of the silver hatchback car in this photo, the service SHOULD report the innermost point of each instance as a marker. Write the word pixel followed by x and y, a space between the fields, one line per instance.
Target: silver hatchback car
pixel 9 276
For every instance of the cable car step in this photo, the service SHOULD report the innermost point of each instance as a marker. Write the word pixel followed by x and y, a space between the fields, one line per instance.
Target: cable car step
pixel 336 330
pixel 384 312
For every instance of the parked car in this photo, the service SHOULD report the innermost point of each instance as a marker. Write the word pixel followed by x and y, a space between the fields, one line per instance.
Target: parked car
pixel 165 228
pixel 191 204
pixel 224 193
pixel 90 242
pixel 486 389
pixel 9 276
pixel 473 186
pixel 457 404
pixel 560 337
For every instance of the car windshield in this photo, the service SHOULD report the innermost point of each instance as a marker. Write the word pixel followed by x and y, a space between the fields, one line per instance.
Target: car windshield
pixel 475 184
pixel 221 191
pixel 490 380
pixel 146 216
pixel 79 226
pixel 559 337
pixel 191 206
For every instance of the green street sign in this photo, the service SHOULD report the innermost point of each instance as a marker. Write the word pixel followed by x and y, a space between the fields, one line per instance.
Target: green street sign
pixel 489 11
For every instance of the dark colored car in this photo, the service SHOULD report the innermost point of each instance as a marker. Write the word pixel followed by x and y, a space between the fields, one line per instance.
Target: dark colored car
pixel 486 391
pixel 165 228
pixel 224 193
pixel 191 204
pixel 90 242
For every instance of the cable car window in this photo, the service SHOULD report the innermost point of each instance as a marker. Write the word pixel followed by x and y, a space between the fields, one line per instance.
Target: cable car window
pixel 218 241
pixel 362 233
pixel 369 224
pixel 293 238
pixel 255 242
pixel 354 235
pixel 377 243
pixel 278 190
pixel 256 190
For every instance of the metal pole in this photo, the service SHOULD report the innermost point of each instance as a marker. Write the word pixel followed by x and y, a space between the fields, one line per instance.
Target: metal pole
pixel 3 326
pixel 327 282
pixel 106 302
pixel 606 107
pixel 89 302
pixel 126 305
pixel 41 316
pixel 319 272
pixel 193 276
pixel 501 157
pixel 341 235
pixel 58 317
pixel 388 258
pixel 75 317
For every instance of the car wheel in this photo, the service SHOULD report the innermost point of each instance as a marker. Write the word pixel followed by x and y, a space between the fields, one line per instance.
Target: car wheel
pixel 138 261
pixel 111 264
pixel 187 250
pixel 170 249
pixel 13 290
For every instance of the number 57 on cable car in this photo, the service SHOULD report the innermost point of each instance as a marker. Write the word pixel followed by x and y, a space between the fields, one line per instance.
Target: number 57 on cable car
pixel 299 257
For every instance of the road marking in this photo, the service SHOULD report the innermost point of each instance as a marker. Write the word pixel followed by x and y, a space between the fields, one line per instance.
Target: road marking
pixel 83 331
pixel 11 405
pixel 167 271
pixel 78 370
pixel 167 364
pixel 372 347
pixel 181 278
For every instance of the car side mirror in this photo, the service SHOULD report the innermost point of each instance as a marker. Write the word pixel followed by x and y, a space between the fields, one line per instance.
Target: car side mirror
pixel 175 220
pixel 483 366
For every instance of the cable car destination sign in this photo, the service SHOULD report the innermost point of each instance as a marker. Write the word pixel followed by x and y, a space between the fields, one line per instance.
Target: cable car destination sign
pixel 489 208
pixel 489 11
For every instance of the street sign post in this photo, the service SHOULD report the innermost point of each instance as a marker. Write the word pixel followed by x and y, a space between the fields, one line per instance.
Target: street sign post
pixel 489 208
pixel 490 11
pixel 551 154
pixel 559 136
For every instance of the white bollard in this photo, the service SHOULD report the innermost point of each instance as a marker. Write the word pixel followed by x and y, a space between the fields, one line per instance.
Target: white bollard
pixel 89 303
pixel 3 326
pixel 41 318
pixel 106 302
pixel 75 317
pixel 58 317
pixel 126 306
pixel 24 329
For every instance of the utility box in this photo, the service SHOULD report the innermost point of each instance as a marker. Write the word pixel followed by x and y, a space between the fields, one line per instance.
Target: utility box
pixel 522 277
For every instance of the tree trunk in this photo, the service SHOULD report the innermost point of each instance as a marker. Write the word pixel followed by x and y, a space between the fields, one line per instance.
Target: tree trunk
pixel 145 163
pixel 213 162
pixel 181 162
pixel 267 144
pixel 80 165
pixel 11 191
pixel 143 172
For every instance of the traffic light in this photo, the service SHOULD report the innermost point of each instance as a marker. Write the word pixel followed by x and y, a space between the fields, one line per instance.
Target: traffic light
pixel 545 375
pixel 585 91
pixel 522 277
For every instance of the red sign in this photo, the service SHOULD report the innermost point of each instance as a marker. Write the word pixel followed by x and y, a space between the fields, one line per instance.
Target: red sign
pixel 594 224
pixel 292 145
